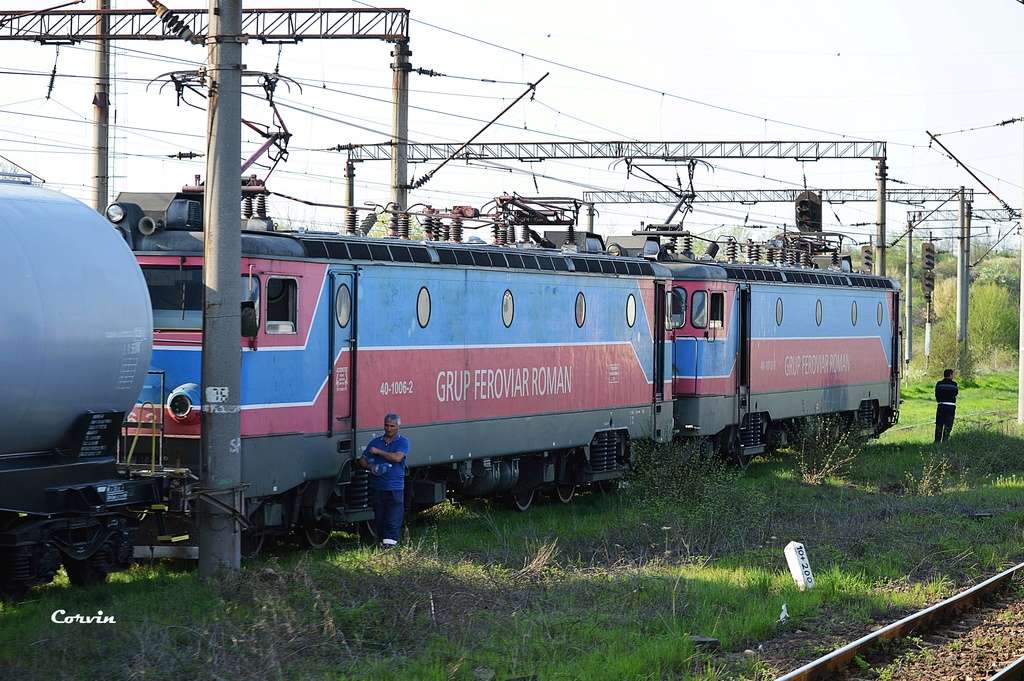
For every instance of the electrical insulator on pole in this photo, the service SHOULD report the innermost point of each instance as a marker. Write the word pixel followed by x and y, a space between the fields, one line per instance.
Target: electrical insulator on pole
pixel 928 256
pixel 175 25
pixel 867 259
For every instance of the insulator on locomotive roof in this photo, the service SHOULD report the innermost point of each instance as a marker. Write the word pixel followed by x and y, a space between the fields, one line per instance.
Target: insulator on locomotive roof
pixel 498 234
pixel 261 205
pixel 457 229
pixel 687 245
pixel 393 225
pixel 805 258
pixel 510 234
pixel 403 225
pixel 428 228
pixel 350 222
pixel 446 231
pixel 672 245
pixel 835 258
pixel 247 206
pixel 732 250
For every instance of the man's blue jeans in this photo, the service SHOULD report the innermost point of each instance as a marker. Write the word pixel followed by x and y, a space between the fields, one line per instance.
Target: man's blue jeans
pixel 388 508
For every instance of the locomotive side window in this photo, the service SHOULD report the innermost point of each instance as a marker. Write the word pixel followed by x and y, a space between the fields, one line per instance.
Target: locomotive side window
pixel 677 316
pixel 508 309
pixel 880 314
pixel 817 312
pixel 251 292
pixel 343 305
pixel 699 309
pixel 176 294
pixel 853 313
pixel 423 307
pixel 717 310
pixel 282 295
pixel 581 309
pixel 630 310
pixel 778 311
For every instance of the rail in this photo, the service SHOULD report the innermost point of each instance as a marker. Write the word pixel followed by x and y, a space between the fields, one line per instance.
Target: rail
pixel 833 663
pixel 1011 672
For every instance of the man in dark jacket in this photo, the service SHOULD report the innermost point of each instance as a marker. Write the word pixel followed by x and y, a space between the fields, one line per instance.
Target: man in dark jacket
pixel 945 409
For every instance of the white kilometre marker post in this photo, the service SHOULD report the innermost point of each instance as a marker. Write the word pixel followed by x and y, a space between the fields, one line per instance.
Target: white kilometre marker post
pixel 799 566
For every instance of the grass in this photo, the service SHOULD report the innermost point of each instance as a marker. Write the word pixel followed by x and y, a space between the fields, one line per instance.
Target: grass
pixel 608 587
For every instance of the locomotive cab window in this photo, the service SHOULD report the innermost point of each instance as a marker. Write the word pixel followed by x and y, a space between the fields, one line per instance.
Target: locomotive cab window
pixel 699 309
pixel 282 295
pixel 717 310
pixel 677 314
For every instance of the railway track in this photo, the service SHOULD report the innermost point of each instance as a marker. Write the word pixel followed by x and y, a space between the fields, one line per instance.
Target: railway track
pixel 922 623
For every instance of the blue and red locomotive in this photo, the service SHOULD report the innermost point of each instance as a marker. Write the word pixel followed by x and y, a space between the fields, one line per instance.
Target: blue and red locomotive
pixel 513 369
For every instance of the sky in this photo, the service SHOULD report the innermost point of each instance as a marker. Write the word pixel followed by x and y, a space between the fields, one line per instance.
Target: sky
pixel 684 70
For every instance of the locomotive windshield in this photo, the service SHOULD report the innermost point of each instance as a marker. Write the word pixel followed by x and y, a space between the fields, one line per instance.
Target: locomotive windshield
pixel 176 294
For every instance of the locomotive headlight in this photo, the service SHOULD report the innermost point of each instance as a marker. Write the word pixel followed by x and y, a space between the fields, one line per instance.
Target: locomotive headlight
pixel 180 405
pixel 115 213
pixel 181 402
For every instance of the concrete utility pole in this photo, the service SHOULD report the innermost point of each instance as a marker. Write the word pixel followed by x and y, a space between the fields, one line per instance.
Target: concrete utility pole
pixel 1020 312
pixel 101 112
pixel 880 213
pixel 400 124
pixel 590 217
pixel 908 295
pixel 221 448
pixel 350 196
pixel 963 256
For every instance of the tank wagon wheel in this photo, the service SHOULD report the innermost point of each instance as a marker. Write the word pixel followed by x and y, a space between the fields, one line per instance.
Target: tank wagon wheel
pixel 565 492
pixel 85 572
pixel 252 543
pixel 521 501
pixel 318 534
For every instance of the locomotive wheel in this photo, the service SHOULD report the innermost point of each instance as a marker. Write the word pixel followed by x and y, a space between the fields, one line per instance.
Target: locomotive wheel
pixel 367 532
pixel 731 449
pixel 521 501
pixel 565 492
pixel 84 572
pixel 318 534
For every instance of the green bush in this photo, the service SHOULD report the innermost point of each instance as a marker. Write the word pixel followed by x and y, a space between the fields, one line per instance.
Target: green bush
pixel 698 500
pixel 826 447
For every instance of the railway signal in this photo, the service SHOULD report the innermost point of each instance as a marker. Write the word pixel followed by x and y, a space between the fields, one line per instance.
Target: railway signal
pixel 867 259
pixel 808 212
pixel 928 256
pixel 928 283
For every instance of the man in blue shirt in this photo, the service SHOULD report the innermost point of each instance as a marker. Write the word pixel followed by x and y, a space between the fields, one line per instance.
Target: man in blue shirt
pixel 384 458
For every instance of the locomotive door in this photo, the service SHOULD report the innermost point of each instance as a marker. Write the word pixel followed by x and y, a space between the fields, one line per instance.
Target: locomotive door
pixel 341 377
pixel 743 355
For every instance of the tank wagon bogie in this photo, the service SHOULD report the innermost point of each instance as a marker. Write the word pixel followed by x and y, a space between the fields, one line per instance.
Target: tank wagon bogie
pixel 513 369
